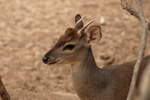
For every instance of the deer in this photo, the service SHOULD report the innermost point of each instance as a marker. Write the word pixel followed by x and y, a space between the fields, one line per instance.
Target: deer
pixel 90 81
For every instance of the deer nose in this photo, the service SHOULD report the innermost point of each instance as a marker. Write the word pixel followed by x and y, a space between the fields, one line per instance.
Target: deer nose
pixel 45 59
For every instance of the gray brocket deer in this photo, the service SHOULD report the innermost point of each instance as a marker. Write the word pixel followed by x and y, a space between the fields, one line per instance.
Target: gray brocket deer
pixel 91 82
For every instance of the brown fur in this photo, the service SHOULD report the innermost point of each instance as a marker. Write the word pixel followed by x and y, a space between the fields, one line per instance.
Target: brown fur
pixel 90 81
pixel 69 35
pixel 107 83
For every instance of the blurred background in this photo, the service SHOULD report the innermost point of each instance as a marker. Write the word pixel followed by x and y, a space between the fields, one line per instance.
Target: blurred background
pixel 29 28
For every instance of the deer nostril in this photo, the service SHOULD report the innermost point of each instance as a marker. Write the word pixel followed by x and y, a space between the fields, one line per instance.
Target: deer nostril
pixel 45 59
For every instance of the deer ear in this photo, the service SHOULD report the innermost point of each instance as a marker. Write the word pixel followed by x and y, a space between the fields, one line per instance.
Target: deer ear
pixel 94 34
pixel 79 25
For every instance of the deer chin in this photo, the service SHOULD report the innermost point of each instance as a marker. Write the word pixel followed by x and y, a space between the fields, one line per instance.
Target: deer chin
pixel 60 62
pixel 70 62
pixel 53 62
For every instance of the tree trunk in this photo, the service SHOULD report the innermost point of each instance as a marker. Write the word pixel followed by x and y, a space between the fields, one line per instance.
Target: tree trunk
pixel 3 92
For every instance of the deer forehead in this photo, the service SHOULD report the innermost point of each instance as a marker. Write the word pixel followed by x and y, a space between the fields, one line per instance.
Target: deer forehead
pixel 69 35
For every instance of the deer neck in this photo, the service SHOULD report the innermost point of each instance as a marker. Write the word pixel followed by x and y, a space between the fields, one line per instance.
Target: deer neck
pixel 84 74
pixel 85 69
pixel 85 63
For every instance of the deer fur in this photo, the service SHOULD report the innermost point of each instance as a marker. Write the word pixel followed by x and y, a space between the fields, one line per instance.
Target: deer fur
pixel 90 81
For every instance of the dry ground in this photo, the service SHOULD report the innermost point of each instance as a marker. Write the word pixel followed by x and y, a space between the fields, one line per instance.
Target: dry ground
pixel 29 28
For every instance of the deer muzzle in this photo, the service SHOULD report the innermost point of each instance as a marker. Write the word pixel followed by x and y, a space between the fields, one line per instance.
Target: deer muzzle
pixel 49 60
pixel 45 59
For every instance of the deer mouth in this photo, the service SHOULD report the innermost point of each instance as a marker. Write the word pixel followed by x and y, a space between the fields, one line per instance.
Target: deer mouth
pixel 53 62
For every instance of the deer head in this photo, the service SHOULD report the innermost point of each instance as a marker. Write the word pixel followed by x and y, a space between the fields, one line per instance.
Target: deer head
pixel 74 44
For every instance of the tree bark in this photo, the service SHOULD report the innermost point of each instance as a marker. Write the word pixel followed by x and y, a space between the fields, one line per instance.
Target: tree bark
pixel 3 92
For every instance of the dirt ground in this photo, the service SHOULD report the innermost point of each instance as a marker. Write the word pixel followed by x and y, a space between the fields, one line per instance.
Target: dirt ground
pixel 29 28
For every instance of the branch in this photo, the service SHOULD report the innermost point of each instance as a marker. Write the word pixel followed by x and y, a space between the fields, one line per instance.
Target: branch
pixel 145 85
pixel 141 17
pixel 128 8
pixel 146 27
pixel 3 92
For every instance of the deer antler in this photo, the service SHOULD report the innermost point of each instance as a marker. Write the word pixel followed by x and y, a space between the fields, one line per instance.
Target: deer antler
pixel 79 21
pixel 85 26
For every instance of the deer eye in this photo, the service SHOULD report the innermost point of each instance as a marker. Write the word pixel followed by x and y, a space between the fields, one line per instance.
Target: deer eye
pixel 69 47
